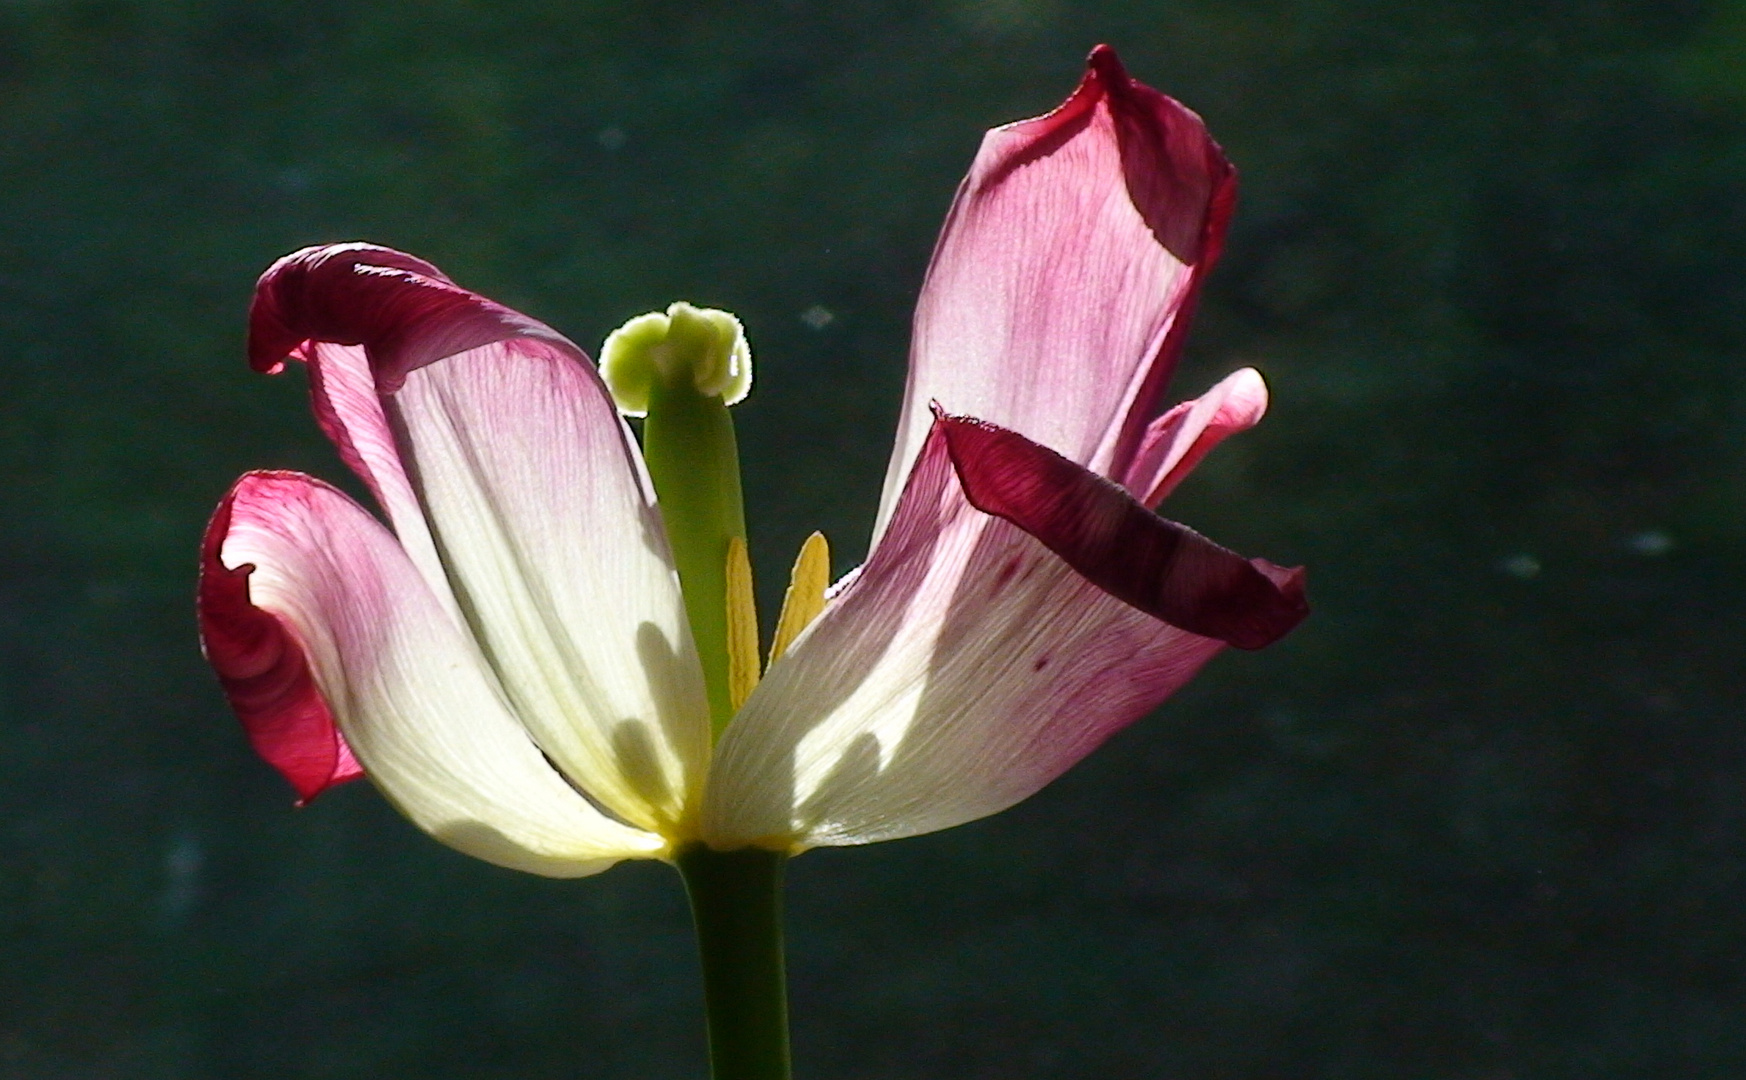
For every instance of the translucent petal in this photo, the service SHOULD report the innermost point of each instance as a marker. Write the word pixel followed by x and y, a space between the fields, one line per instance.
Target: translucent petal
pixel 406 685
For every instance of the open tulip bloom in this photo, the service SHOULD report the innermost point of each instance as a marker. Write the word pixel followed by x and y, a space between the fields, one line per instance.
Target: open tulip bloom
pixel 548 659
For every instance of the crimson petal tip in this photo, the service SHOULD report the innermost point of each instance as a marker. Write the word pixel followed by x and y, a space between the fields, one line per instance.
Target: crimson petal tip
pixel 262 667
pixel 1107 66
pixel 403 310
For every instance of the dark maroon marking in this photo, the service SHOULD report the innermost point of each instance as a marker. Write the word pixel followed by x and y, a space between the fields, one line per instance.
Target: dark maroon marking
pixel 1159 566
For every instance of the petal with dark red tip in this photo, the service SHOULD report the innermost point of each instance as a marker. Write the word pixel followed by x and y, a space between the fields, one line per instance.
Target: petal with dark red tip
pixel 394 671
pixel 516 490
pixel 403 310
pixel 266 675
pixel 1062 286
pixel 1161 567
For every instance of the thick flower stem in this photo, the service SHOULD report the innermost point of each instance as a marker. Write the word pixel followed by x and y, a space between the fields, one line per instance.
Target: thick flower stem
pixel 736 902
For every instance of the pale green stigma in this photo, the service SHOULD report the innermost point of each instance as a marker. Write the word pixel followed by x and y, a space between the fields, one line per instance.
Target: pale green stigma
pixel 703 346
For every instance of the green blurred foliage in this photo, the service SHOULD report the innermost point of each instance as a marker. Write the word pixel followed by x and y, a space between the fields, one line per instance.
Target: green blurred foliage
pixel 1482 817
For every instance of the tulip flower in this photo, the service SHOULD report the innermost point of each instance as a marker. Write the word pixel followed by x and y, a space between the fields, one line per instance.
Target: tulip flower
pixel 547 657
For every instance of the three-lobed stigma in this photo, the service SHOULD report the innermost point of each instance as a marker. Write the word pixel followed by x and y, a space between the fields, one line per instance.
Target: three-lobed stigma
pixel 703 347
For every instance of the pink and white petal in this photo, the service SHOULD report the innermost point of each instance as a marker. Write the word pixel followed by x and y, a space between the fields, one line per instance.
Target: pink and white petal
pixel 1161 567
pixel 525 486
pixel 1177 441
pixel 961 670
pixel 1065 276
pixel 560 560
pixel 405 683
pixel 266 676
pixel 342 391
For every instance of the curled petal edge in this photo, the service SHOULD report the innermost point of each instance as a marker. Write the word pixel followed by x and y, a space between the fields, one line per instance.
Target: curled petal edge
pixel 404 311
pixel 265 673
pixel 1177 441
pixel 1158 566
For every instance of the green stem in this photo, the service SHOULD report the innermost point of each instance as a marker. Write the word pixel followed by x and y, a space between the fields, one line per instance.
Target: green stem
pixel 736 902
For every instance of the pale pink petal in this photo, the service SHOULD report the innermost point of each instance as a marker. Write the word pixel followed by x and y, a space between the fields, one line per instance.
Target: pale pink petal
pixel 1062 286
pixel 354 621
pixel 342 391
pixel 501 459
pixel 962 669
pixel 561 562
pixel 1177 441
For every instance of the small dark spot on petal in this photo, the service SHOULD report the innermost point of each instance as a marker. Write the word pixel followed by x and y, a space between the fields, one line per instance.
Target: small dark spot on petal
pixel 1007 572
pixel 1040 663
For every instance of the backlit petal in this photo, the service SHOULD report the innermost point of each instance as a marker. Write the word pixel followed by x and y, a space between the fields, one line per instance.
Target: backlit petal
pixel 1177 441
pixel 514 486
pixel 405 682
pixel 964 667
pixel 561 563
pixel 1063 282
pixel 403 310
pixel 342 391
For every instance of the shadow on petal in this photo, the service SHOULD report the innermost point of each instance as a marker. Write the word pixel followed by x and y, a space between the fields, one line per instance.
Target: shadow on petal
pixel 675 711
pixel 760 775
pixel 858 767
pixel 633 749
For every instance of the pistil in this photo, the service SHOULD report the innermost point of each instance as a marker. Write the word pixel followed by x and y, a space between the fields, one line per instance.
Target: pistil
pixel 681 370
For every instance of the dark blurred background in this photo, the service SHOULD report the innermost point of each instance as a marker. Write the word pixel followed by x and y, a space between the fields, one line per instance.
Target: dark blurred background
pixel 1483 817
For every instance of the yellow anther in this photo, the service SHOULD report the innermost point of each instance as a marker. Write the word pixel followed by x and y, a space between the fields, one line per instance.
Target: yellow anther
pixel 806 593
pixel 742 625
